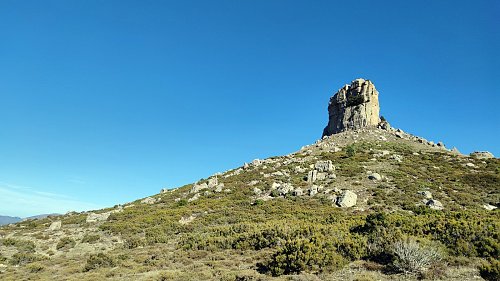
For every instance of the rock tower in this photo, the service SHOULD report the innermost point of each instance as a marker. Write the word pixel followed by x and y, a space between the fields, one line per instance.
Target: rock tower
pixel 353 107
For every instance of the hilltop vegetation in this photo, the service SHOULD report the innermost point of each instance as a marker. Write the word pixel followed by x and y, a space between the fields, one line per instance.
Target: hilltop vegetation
pixel 269 220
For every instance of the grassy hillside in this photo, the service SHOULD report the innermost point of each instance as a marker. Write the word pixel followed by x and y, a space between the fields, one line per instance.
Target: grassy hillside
pixel 248 226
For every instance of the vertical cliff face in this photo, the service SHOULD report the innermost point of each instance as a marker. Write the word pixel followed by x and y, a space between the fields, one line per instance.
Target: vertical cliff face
pixel 353 107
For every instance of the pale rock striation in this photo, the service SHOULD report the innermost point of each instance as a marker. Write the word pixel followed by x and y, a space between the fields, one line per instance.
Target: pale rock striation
pixel 353 107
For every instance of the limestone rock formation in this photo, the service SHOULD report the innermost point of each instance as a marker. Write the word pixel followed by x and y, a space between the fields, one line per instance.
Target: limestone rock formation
pixel 353 107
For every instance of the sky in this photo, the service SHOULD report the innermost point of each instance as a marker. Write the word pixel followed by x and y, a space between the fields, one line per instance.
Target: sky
pixel 105 102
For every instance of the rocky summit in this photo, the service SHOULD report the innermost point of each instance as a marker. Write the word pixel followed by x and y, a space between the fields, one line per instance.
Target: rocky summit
pixel 353 107
pixel 365 202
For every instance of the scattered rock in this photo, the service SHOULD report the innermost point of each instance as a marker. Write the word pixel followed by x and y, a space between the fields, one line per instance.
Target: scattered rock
pixel 55 226
pixel 164 190
pixel 148 200
pixel 298 192
pixel 348 199
pixel 198 187
pixel 257 191
pixel 324 166
pixel 470 165
pixel 312 176
pixel 375 176
pixel 92 217
pixel 489 207
pixel 212 182
pixel 194 198
pixel 434 204
pixel 254 182
pixel 321 176
pixel 186 220
pixel 219 188
pixel 313 190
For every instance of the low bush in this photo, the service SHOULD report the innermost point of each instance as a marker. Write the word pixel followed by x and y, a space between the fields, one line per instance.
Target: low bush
pixel 490 270
pixel 100 260
pixel 411 256
pixel 299 255
pixel 65 243
pixel 91 238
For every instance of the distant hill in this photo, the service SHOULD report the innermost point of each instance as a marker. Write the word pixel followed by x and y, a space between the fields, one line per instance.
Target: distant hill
pixel 42 216
pixel 8 220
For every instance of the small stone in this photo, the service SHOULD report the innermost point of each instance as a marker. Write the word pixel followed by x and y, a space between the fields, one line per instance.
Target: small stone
pixel 489 207
pixel 375 176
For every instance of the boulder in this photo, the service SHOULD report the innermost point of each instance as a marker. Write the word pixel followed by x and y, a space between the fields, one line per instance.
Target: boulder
pixel 347 199
pixel 194 198
pixel 353 107
pixel 374 176
pixel 489 207
pixel 212 182
pixel 55 226
pixel 198 187
pixel 257 191
pixel 219 187
pixel 313 190
pixel 298 192
pixel 92 217
pixel 434 204
pixel 324 166
pixel 311 176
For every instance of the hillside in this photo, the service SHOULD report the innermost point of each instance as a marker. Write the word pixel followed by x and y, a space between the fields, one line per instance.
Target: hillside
pixel 247 223
pixel 366 202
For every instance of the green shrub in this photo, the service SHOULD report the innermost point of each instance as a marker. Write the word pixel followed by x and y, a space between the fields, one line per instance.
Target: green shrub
pixel 299 255
pixel 24 258
pixel 490 270
pixel 91 238
pixel 100 260
pixel 65 243
pixel 23 246
pixel 35 267
pixel 350 151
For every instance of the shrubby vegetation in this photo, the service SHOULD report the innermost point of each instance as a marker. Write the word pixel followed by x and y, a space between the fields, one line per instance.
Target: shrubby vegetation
pixel 394 232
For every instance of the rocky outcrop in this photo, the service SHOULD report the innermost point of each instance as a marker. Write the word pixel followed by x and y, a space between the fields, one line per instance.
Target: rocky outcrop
pixel 482 155
pixel 353 107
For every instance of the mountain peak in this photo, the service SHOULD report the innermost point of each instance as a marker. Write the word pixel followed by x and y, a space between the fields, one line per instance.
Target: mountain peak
pixel 353 107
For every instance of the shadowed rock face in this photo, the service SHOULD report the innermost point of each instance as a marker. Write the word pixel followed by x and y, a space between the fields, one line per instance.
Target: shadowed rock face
pixel 353 107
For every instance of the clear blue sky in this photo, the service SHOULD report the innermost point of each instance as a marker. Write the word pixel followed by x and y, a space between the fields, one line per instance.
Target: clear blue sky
pixel 104 102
